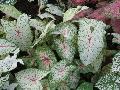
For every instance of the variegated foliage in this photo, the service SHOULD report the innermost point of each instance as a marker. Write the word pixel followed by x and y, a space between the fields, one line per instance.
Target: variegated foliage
pixel 116 38
pixel 110 81
pixel 8 2
pixel 70 13
pixel 6 47
pixel 10 62
pixel 10 10
pixel 90 40
pixel 54 9
pixel 65 43
pixel 61 71
pixel 30 78
pixel 45 57
pixel 116 63
pixel 18 32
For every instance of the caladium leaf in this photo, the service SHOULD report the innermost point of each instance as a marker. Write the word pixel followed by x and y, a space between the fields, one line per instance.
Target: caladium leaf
pixel 65 49
pixel 18 33
pixel 65 45
pixel 3 80
pixel 116 63
pixel 37 24
pixel 90 39
pixel 84 69
pixel 63 86
pixel 42 4
pixel 30 78
pixel 45 84
pixel 10 10
pixel 73 79
pixel 67 30
pixel 71 12
pixel 116 38
pixel 45 56
pixel 9 63
pixel 109 82
pixel 54 10
pixel 6 47
pixel 96 64
pixel 85 86
pixel 8 86
pixel 61 71
pixel 49 28
pixel 46 15
pixel 8 2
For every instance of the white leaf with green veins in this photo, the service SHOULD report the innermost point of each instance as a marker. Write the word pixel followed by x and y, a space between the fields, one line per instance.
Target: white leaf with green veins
pixel 54 9
pixel 30 78
pixel 10 10
pixel 70 13
pixel 18 32
pixel 6 47
pixel 116 63
pixel 108 82
pixel 90 39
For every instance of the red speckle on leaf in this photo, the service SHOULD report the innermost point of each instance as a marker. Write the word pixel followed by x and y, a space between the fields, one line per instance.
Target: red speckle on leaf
pixel 45 59
pixel 17 33
pixel 6 46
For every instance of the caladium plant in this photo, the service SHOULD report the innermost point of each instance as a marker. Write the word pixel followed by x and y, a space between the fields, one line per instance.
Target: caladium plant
pixel 61 71
pixel 90 39
pixel 6 47
pixel 45 57
pixel 30 78
pixel 60 46
pixel 18 32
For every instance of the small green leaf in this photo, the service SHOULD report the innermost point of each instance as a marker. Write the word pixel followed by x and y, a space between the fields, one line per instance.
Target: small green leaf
pixel 70 13
pixel 54 9
pixel 10 10
pixel 85 86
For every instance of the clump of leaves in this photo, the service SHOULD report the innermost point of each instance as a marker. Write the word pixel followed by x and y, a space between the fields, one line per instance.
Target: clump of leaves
pixel 62 47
